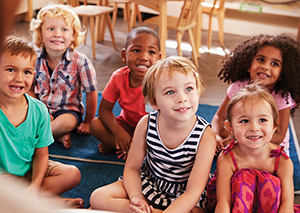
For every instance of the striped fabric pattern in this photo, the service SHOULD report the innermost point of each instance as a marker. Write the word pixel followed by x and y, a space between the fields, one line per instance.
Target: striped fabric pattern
pixel 165 172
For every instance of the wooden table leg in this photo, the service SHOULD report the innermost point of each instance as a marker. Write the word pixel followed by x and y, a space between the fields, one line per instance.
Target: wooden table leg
pixel 163 26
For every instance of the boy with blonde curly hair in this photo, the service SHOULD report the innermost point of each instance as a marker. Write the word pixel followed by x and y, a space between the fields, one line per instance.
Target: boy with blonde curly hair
pixel 62 72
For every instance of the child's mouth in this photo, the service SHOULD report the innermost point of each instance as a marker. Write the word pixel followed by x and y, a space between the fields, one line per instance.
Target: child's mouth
pixel 254 137
pixel 263 75
pixel 16 87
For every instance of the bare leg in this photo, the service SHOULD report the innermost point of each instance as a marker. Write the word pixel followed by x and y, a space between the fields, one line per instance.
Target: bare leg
pixel 112 197
pixel 61 179
pixel 101 133
pixel 62 127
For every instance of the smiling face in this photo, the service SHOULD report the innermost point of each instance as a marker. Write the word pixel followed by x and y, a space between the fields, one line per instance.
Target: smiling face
pixel 57 35
pixel 177 97
pixel 141 53
pixel 266 67
pixel 16 75
pixel 252 123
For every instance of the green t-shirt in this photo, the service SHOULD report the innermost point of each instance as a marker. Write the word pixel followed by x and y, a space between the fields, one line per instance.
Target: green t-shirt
pixel 17 144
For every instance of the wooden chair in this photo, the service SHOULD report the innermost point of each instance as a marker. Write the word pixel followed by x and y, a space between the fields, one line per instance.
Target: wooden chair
pixel 95 11
pixel 185 22
pixel 217 10
pixel 126 12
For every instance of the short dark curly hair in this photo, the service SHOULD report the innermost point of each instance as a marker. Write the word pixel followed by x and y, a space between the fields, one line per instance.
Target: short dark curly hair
pixel 234 65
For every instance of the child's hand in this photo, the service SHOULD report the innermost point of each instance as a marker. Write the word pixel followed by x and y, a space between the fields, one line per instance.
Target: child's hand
pixel 219 144
pixel 227 140
pixel 123 141
pixel 83 129
pixel 121 154
pixel 139 205
pixel 31 191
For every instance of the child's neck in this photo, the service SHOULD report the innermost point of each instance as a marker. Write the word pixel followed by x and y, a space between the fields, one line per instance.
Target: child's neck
pixel 53 58
pixel 15 109
pixel 135 82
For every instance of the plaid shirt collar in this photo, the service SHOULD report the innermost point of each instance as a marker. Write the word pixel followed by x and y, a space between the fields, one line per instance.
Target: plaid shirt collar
pixel 66 56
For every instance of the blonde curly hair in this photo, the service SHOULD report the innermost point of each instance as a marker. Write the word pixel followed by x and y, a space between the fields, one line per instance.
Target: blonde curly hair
pixel 53 11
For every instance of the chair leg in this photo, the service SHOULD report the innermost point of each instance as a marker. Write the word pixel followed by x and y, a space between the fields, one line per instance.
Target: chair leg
pixel 114 17
pixel 127 15
pixel 209 36
pixel 179 38
pixel 92 26
pixel 221 17
pixel 85 24
pixel 111 30
pixel 139 15
pixel 194 51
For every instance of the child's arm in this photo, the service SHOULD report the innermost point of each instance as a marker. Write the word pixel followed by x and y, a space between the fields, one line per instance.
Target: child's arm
pixel 199 174
pixel 285 173
pixel 91 108
pixel 225 170
pixel 136 155
pixel 283 125
pixel 217 124
pixel 39 168
pixel 122 138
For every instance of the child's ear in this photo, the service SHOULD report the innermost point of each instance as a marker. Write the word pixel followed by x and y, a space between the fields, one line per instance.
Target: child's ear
pixel 123 55
pixel 276 125
pixel 228 126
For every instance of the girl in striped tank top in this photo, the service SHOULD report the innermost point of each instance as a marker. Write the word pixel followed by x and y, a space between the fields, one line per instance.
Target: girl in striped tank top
pixel 170 158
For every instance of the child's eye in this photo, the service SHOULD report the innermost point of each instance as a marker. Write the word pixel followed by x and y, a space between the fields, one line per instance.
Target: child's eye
pixel 275 64
pixel 10 69
pixel 263 120
pixel 260 59
pixel 50 28
pixel 152 52
pixel 244 121
pixel 28 72
pixel 64 30
pixel 189 89
pixel 171 92
pixel 135 50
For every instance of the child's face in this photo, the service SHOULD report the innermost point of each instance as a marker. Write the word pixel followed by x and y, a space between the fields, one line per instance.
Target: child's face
pixel 252 123
pixel 141 53
pixel 57 35
pixel 16 75
pixel 266 67
pixel 177 98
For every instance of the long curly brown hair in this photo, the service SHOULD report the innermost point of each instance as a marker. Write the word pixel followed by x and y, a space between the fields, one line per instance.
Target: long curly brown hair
pixel 234 65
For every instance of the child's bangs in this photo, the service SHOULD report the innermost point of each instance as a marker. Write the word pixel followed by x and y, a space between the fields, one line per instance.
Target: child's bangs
pixel 59 13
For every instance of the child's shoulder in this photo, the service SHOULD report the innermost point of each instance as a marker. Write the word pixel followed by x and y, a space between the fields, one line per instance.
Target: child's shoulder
pixel 123 71
pixel 36 104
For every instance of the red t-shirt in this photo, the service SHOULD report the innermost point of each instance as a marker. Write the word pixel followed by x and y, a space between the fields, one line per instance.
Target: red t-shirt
pixel 130 99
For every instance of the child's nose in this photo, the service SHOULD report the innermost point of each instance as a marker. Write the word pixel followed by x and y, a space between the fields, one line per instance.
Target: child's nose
pixel 57 33
pixel 181 97
pixel 144 56
pixel 254 126
pixel 265 66
pixel 18 77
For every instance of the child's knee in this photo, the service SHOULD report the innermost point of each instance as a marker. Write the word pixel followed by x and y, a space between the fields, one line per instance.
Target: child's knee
pixel 94 124
pixel 74 175
pixel 96 199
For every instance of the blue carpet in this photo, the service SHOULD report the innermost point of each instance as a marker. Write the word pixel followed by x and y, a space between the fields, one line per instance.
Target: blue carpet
pixel 98 170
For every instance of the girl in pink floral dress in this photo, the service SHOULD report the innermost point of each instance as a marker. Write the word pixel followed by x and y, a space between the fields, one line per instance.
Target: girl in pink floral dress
pixel 253 174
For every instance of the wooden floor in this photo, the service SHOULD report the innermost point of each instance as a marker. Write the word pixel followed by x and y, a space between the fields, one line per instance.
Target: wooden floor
pixel 108 60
